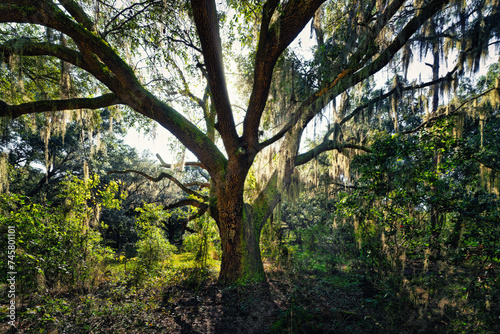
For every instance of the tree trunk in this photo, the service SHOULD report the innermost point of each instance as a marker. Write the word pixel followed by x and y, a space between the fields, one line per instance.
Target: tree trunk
pixel 239 229
pixel 435 214
pixel 241 258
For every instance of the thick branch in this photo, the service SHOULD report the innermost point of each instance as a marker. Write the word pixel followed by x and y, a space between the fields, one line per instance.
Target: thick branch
pixel 14 111
pixel 185 202
pixel 348 78
pixel 291 122
pixel 326 146
pixel 105 64
pixel 391 9
pixel 79 15
pixel 207 25
pixel 198 184
pixel 188 163
pixel 273 40
pixel 102 61
pixel 159 178
pixel 26 47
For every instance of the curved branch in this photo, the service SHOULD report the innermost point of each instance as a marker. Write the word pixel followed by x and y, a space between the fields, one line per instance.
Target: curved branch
pixel 391 9
pixel 188 163
pixel 14 111
pixel 26 47
pixel 102 60
pixel 109 68
pixel 159 178
pixel 184 202
pixel 293 120
pixel 327 146
pixel 356 73
pixel 198 184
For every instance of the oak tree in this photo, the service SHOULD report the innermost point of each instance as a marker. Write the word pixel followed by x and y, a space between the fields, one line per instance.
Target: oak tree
pixel 99 41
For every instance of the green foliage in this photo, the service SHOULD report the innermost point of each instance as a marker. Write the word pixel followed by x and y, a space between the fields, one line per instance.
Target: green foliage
pixel 150 215
pixel 307 237
pixel 153 248
pixel 55 244
pixel 420 209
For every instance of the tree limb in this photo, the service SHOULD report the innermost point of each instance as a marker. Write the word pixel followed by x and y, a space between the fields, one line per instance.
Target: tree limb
pixel 349 77
pixel 326 146
pixel 273 40
pixel 14 111
pixel 184 202
pixel 77 12
pixel 198 184
pixel 207 25
pixel 108 67
pixel 291 122
pixel 159 178
pixel 188 163
pixel 26 47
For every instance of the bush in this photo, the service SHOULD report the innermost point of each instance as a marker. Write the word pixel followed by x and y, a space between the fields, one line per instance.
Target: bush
pixel 54 244
pixel 153 248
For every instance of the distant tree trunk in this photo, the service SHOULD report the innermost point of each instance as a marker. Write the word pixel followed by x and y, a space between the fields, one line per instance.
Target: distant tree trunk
pixel 435 215
pixel 454 239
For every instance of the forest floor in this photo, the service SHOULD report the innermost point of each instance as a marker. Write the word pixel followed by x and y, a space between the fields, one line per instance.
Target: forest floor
pixel 287 304
pixel 342 300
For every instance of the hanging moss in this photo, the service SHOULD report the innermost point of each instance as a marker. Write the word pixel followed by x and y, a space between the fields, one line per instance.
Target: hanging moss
pixel 4 173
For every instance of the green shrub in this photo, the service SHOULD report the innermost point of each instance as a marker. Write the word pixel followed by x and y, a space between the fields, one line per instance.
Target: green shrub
pixel 153 248
pixel 55 244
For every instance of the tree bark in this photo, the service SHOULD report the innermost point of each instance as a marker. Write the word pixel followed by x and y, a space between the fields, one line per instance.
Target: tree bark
pixel 435 216
pixel 239 229
pixel 241 259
